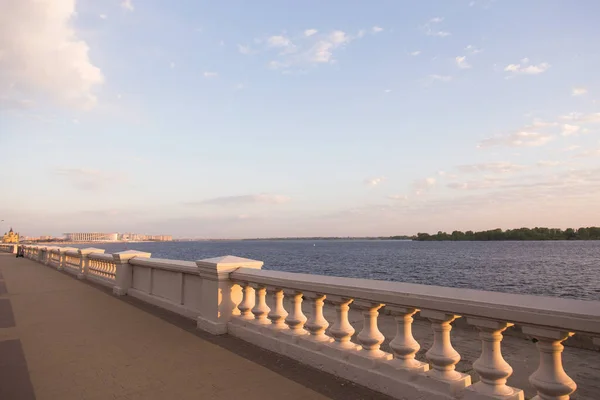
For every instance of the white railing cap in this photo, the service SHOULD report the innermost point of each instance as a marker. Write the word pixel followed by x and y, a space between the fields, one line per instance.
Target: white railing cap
pixel 129 254
pixel 221 267
pixel 90 250
pixel 65 249
pixel 553 312
pixel 101 256
pixel 166 264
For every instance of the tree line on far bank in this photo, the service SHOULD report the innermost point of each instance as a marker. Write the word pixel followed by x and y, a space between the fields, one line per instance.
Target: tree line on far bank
pixel 589 233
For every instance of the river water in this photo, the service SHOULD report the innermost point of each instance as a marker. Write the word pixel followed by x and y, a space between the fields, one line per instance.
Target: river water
pixel 569 269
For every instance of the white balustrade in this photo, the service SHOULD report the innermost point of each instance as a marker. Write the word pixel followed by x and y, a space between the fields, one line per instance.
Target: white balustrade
pixel 278 313
pixel 296 318
pixel 316 325
pixel 550 379
pixel 493 370
pixel 404 346
pixel 370 337
pixel 248 300
pixel 261 309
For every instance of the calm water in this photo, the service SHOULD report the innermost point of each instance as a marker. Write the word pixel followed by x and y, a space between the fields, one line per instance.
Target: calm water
pixel 562 269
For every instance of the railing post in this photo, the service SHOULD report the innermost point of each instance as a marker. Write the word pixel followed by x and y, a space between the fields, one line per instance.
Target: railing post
pixel 550 379
pixel 84 260
pixel 124 273
pixel 493 370
pixel 370 337
pixel 316 324
pixel 247 303
pixel 278 313
pixel 341 330
pixel 296 318
pixel 441 355
pixel 220 296
pixel 404 346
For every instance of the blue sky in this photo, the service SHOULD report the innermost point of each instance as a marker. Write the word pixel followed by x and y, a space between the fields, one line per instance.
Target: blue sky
pixel 281 118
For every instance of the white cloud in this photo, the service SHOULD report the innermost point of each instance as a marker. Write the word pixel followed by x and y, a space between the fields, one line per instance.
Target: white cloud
pixel 578 91
pixel 310 32
pixel 441 78
pixel 322 51
pixel 376 29
pixel 414 53
pixel 545 163
pixel 570 130
pixel 208 74
pixel 90 179
pixel 279 41
pixel 361 33
pixel 525 69
pixel 581 118
pixel 430 28
pixel 573 147
pixel 398 197
pixel 244 200
pixel 172 65
pixel 42 55
pixel 244 49
pixel 103 16
pixel 495 167
pixel 375 181
pixel 517 139
pixel 485 183
pixel 472 49
pixel 388 90
pixel 462 63
pixel 588 153
pixel 127 5
pixel 423 185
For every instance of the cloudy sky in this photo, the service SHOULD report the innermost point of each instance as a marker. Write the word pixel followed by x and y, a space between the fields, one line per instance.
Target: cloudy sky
pixel 286 118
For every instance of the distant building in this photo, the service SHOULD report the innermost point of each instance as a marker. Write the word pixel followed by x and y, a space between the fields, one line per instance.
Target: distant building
pixel 10 237
pixel 136 237
pixel 92 237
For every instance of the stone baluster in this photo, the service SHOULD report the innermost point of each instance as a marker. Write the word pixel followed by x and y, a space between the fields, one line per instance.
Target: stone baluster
pixel 493 370
pixel 247 303
pixel 550 379
pixel 261 309
pixel 404 346
pixel 316 324
pixel 441 355
pixel 341 330
pixel 296 318
pixel 278 313
pixel 370 337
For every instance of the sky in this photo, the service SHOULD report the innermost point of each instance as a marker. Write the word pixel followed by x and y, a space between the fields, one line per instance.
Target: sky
pixel 285 118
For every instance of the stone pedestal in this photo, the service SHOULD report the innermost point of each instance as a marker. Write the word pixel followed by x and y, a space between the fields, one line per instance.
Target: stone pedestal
pixel 220 296
pixel 124 275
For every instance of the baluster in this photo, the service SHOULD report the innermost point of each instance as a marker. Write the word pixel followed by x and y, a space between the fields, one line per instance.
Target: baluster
pixel 296 318
pixel 261 309
pixel 550 379
pixel 316 324
pixel 493 370
pixel 404 346
pixel 370 337
pixel 342 330
pixel 247 303
pixel 278 313
pixel 441 355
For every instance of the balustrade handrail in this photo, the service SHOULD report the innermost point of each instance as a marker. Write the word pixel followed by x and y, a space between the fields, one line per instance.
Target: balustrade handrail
pixel 188 267
pixel 101 257
pixel 580 316
pixel 72 253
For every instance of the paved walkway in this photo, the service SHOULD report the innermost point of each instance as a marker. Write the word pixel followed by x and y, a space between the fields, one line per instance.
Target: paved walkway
pixel 61 338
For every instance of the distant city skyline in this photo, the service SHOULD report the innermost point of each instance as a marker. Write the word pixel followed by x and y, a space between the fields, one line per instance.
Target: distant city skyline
pixel 279 119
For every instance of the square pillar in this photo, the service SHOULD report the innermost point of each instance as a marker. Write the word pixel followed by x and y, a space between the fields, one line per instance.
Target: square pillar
pixel 124 270
pixel 63 256
pixel 83 256
pixel 220 296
